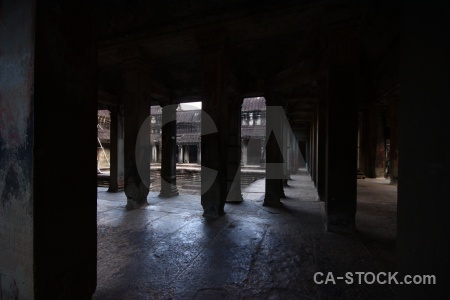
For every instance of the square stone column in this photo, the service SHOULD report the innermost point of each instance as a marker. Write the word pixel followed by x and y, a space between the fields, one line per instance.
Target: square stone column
pixel 321 140
pixel 274 156
pixel 285 147
pixel 180 154
pixel 393 153
pixel 234 150
pixel 341 138
pixel 169 144
pixel 244 144
pixel 199 153
pixel 215 122
pixel 376 142
pixel 137 132
pixel 48 190
pixel 313 133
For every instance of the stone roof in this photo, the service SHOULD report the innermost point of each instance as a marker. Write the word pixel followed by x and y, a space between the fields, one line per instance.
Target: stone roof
pixel 155 110
pixel 254 104
pixel 189 116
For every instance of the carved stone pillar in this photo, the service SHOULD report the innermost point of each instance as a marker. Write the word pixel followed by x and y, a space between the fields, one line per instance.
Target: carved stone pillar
pixel 137 131
pixel 169 142
pixel 215 120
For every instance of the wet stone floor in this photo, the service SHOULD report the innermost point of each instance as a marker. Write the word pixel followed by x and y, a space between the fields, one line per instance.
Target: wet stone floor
pixel 167 250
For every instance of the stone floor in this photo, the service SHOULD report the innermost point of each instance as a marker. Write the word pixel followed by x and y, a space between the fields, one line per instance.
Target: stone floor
pixel 167 250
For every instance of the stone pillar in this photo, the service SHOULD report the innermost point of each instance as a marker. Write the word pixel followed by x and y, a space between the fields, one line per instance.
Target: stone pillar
pixel 288 152
pixel 314 150
pixel 274 156
pixel 393 155
pixel 376 138
pixel 244 152
pixel 137 111
pixel 169 142
pixel 342 124
pixel 263 152
pixel 284 149
pixel 365 163
pixel 295 154
pixel 423 207
pixel 116 175
pixel 154 153
pixel 48 231
pixel 307 149
pixel 321 141
pixel 180 154
pixel 215 119
pixel 234 150
pixel 186 153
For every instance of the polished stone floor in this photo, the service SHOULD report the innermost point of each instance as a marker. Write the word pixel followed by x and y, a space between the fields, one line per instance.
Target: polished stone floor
pixel 167 250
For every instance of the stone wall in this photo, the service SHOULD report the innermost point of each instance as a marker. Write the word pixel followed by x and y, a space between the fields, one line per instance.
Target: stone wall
pixel 16 149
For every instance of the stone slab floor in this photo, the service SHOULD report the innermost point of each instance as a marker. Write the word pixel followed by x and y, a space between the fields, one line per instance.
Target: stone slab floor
pixel 167 250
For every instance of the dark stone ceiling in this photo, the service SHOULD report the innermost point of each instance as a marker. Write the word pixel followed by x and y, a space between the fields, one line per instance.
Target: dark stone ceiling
pixel 282 44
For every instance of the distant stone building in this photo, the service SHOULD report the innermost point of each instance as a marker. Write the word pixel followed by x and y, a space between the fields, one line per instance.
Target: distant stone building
pixel 188 135
pixel 253 133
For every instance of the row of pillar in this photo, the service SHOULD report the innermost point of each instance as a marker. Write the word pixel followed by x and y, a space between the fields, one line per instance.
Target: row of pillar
pixel 331 144
pixel 282 150
pixel 341 141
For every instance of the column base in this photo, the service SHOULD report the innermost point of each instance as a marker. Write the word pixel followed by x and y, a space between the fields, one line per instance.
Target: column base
pixel 136 195
pixel 213 212
pixel 115 190
pixel 277 204
pixel 169 193
pixel 132 204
